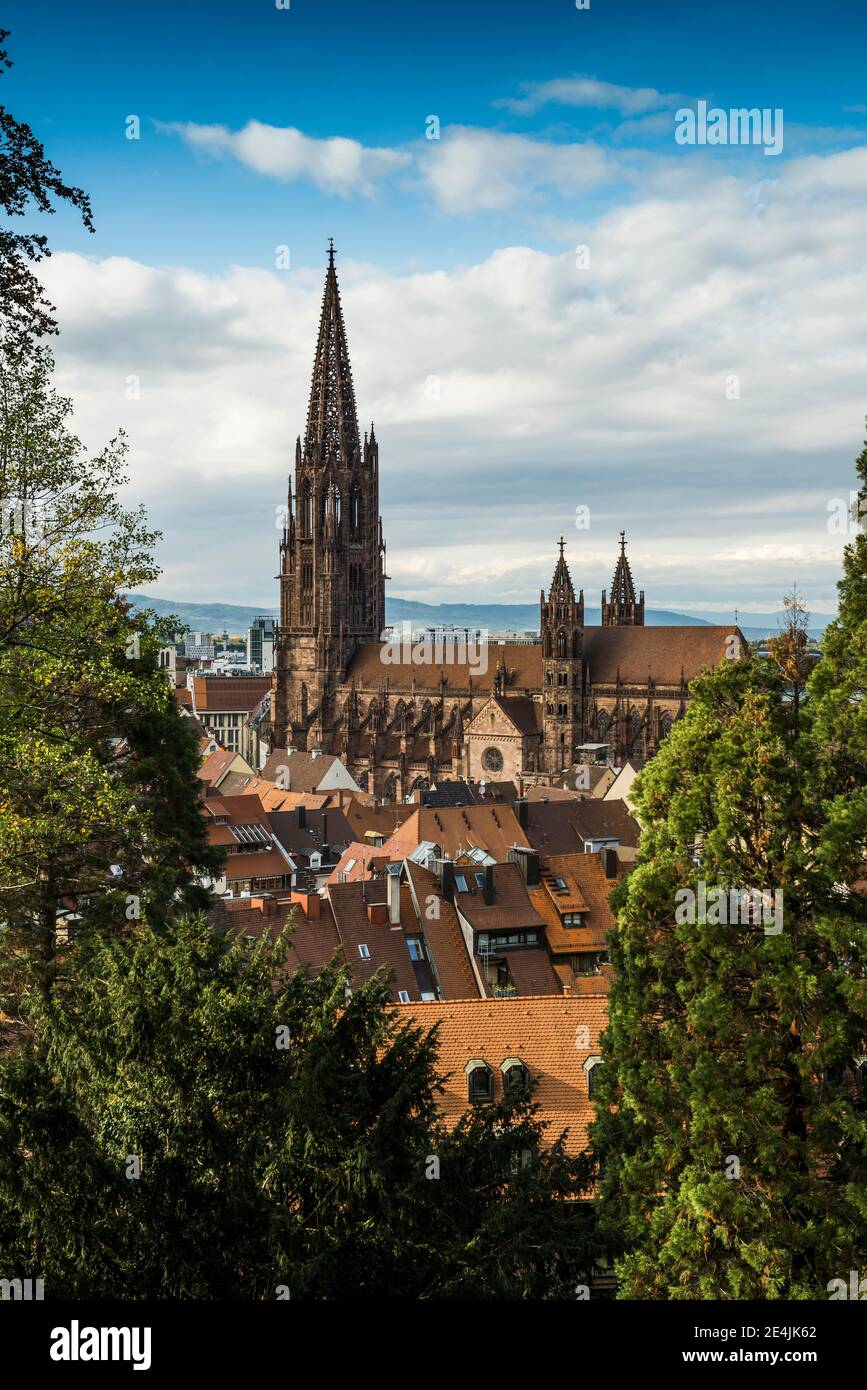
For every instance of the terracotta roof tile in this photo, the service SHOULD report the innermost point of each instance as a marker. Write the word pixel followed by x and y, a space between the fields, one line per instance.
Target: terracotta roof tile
pixel 386 944
pixel 544 1033
pixel 227 694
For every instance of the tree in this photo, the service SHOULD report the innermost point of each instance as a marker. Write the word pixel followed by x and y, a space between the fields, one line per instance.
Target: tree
pixel 28 180
pixel 98 790
pixel 189 1122
pixel 731 1139
pixel 837 694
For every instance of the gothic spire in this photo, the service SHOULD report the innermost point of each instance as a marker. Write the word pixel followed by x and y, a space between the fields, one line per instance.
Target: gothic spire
pixel 332 423
pixel 622 587
pixel 561 585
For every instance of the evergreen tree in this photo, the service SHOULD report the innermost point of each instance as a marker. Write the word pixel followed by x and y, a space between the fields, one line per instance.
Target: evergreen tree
pixel 285 1135
pixel 731 1138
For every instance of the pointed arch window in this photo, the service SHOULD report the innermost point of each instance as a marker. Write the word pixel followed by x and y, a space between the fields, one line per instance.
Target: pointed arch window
pixel 561 644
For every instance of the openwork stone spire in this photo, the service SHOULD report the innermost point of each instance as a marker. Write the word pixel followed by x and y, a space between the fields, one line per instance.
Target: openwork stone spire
pixel 624 609
pixel 332 422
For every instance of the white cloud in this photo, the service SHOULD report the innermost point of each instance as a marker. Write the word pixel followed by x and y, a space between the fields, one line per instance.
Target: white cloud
pixel 335 165
pixel 471 169
pixel 509 392
pixel 589 92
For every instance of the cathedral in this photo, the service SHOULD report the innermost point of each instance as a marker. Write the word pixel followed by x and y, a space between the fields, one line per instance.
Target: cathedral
pixel 528 713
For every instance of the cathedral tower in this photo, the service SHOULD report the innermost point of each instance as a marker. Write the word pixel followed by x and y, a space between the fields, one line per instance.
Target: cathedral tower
pixel 624 610
pixel 562 629
pixel 332 593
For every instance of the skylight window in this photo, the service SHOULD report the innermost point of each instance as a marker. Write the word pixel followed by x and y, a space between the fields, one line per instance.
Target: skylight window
pixel 363 951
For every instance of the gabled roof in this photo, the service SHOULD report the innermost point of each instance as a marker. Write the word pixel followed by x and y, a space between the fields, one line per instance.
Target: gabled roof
pixel 543 1033
pixel 306 770
pixel 329 826
pixel 532 973
pixel 665 653
pixel 215 769
pixel 522 712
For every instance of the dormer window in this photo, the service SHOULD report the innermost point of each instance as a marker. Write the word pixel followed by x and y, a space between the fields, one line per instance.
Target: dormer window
pixel 592 1066
pixel 516 1077
pixel 480 1082
pixel 572 919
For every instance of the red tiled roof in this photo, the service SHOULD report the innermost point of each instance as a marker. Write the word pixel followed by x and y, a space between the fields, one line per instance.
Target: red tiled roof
pixel 438 922
pixel 511 909
pixel 532 972
pixel 385 943
pixel 586 887
pixel 542 1032
pixel 561 827
pixel 314 940
pixel 493 828
pixel 664 652
pixel 229 694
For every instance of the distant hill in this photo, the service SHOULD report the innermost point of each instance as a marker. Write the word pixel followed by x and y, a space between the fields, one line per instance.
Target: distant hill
pixel 496 617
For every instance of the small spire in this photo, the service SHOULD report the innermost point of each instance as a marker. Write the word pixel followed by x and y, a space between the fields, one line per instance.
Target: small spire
pixel 561 585
pixel 331 253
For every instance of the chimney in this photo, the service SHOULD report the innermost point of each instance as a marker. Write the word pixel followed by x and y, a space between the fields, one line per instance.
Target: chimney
pixel 393 881
pixel 489 884
pixel 310 903
pixel 448 880
pixel 302 817
pixel 377 914
pixel 266 905
pixel 530 858
pixel 522 811
pixel 609 861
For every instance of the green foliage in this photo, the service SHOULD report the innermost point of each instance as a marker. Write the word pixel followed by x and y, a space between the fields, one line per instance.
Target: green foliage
pixel 96 767
pixel 730 1041
pixel 302 1165
pixel 27 180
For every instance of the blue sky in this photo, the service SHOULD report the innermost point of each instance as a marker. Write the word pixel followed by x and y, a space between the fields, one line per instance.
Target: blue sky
pixel 508 388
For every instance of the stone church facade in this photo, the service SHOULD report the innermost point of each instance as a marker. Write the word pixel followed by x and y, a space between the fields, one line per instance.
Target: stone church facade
pixel 401 717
